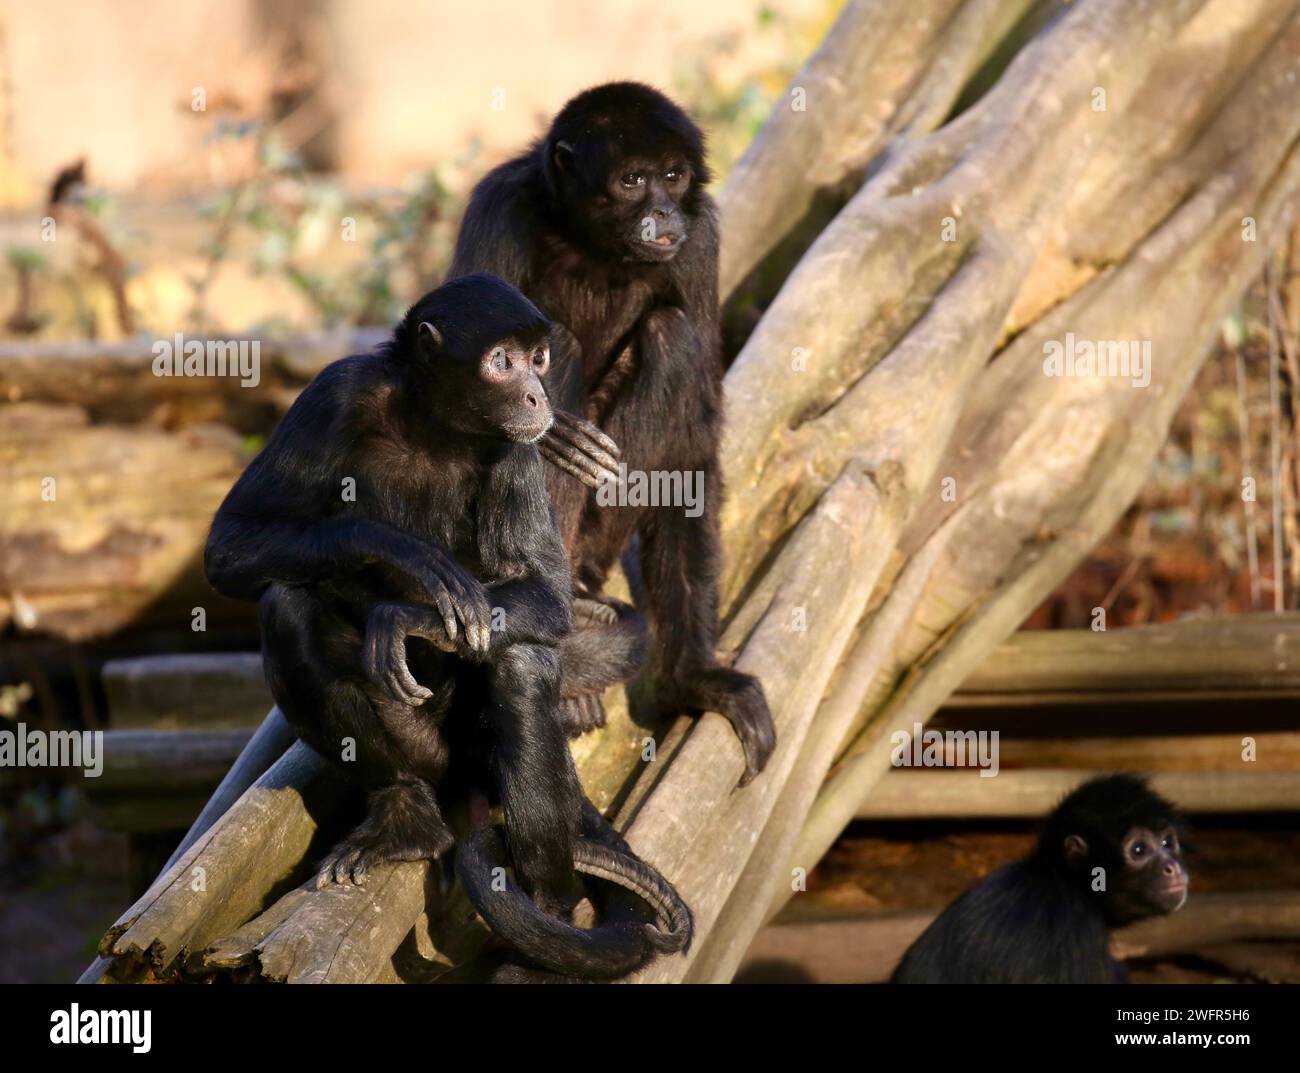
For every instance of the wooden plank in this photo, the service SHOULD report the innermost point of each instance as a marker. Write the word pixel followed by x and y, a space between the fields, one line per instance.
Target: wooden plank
pixel 1274 751
pixel 212 690
pixel 1255 654
pixel 946 794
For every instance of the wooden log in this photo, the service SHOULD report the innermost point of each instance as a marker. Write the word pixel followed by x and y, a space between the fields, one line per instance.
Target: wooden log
pixel 837 950
pixel 117 380
pixel 865 949
pixel 1026 467
pixel 1204 657
pixel 329 936
pixel 1271 962
pixel 158 781
pixel 166 761
pixel 1214 918
pixel 211 690
pixel 883 70
pixel 104 526
pixel 262 844
pixel 1274 751
pixel 694 824
pixel 924 795
pixel 268 743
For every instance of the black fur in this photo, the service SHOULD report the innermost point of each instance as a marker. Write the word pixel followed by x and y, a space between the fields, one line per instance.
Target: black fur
pixel 417 619
pixel 1040 920
pixel 635 348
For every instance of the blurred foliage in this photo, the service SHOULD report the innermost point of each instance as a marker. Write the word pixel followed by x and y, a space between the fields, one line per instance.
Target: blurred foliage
pixel 404 235
pixel 337 255
pixel 732 103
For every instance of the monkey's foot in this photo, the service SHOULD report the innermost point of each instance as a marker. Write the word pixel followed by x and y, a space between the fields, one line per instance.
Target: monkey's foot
pixel 739 699
pixel 403 824
pixel 581 714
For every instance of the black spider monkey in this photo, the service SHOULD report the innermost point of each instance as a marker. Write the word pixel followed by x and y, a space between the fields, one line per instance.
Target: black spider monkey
pixel 412 590
pixel 605 225
pixel 1110 854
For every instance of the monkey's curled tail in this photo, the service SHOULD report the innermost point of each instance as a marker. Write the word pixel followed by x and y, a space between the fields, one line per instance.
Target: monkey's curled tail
pixel 620 944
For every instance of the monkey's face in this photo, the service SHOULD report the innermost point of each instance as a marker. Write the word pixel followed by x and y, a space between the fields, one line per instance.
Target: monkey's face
pixel 648 207
pixel 1154 876
pixel 484 386
pixel 1143 870
pixel 507 398
pixel 628 207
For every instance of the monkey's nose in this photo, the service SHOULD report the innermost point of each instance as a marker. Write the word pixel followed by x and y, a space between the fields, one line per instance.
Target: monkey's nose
pixel 1170 868
pixel 530 400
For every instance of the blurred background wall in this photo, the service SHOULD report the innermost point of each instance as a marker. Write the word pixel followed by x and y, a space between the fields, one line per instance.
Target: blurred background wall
pixel 377 89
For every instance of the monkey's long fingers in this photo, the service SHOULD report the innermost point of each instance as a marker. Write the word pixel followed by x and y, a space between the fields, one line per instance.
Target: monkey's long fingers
pixel 447 609
pixel 577 465
pixel 401 682
pixel 470 601
pixel 476 617
pixel 581 441
pixel 588 429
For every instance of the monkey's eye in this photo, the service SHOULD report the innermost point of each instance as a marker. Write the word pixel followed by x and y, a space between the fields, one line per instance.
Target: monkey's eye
pixel 1139 849
pixel 633 179
pixel 499 360
pixel 539 358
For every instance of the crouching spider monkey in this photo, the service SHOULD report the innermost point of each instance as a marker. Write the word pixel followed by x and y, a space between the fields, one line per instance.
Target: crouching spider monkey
pixel 1111 854
pixel 605 225
pixel 412 591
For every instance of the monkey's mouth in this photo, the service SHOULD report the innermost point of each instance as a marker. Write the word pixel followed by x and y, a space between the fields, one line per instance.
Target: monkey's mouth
pixel 1173 894
pixel 531 432
pixel 662 247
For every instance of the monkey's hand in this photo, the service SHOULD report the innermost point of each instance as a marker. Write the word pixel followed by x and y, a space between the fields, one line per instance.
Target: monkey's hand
pixel 383 651
pixel 736 696
pixel 580 449
pixel 460 598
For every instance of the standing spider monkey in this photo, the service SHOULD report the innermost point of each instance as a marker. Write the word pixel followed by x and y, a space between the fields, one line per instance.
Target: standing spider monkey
pixel 412 591
pixel 1110 854
pixel 605 225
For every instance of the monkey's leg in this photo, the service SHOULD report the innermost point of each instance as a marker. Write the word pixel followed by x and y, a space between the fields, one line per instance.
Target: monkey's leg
pixel 680 562
pixel 606 646
pixel 534 772
pixel 397 754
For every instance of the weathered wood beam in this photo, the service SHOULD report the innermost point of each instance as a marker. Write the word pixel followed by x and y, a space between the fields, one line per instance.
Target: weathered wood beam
pixel 927 795
pixel 186 691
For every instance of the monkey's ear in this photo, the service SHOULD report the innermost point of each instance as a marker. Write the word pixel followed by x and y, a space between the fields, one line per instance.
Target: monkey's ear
pixel 563 157
pixel 1075 847
pixel 430 338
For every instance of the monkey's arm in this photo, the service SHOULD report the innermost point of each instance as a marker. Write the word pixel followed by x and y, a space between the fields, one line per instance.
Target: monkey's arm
pixel 275 525
pixel 680 559
pixel 529 611
pixel 681 556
